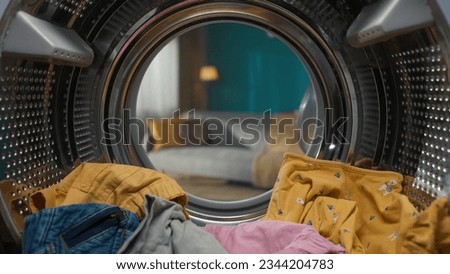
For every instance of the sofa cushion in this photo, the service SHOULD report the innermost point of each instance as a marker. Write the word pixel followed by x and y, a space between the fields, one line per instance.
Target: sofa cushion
pixel 220 162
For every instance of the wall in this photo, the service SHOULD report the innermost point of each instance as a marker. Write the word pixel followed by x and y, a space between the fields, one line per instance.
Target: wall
pixel 257 71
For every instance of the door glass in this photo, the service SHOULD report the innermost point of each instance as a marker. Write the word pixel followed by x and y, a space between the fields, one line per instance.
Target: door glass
pixel 221 103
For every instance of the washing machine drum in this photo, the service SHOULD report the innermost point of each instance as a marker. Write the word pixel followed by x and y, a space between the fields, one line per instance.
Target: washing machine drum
pixel 69 66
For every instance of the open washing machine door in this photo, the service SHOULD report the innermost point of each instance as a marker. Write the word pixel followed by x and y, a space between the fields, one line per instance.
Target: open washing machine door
pixel 69 69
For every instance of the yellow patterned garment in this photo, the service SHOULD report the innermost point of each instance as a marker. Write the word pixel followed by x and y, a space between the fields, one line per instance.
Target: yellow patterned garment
pixel 121 185
pixel 361 209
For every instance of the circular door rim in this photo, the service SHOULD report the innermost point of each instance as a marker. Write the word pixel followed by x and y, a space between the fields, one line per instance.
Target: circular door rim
pixel 133 54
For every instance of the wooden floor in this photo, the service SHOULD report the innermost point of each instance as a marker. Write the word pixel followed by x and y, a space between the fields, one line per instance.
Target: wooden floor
pixel 216 189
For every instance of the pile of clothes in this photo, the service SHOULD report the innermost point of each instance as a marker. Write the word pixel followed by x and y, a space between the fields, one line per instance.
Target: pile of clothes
pixel 317 207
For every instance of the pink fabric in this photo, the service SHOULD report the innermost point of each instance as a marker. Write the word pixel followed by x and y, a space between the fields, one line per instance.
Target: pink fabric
pixel 272 237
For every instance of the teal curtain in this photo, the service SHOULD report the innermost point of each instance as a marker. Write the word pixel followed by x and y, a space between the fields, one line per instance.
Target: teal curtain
pixel 257 71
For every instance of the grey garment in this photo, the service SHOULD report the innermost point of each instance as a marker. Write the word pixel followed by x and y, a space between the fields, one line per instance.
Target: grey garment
pixel 165 230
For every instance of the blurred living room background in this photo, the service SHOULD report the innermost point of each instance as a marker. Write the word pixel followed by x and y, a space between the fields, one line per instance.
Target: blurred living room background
pixel 229 72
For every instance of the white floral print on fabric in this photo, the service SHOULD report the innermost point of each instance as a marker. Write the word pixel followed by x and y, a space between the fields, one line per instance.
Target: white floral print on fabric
pixel 387 187
pixel 393 236
pixel 334 217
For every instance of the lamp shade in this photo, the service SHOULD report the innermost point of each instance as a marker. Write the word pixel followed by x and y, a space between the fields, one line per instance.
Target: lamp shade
pixel 209 73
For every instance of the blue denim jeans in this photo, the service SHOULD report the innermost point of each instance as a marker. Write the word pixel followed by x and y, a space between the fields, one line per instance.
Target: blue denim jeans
pixel 79 228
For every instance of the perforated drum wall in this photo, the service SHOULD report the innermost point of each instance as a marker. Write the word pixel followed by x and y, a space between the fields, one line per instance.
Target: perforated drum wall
pixel 27 144
pixel 424 146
